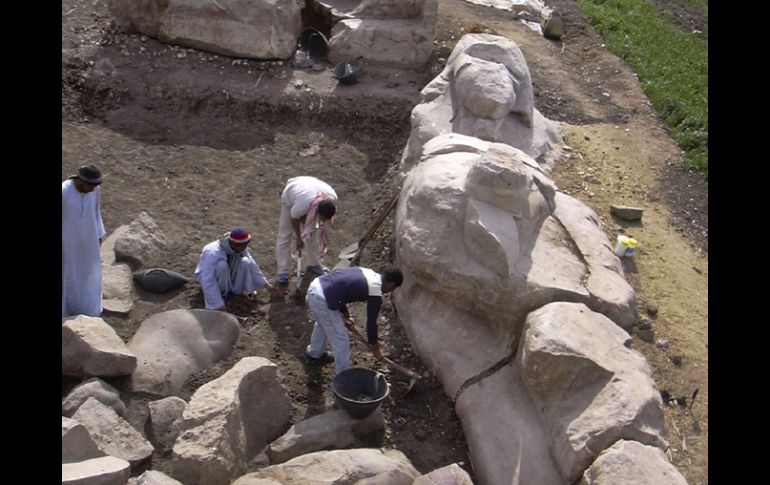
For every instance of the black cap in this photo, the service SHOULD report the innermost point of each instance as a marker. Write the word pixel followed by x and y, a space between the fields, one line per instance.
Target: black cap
pixel 90 174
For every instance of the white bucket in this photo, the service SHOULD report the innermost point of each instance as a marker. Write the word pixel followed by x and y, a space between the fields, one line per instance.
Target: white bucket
pixel 625 246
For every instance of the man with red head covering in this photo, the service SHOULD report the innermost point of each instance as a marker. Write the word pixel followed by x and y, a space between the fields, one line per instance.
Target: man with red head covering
pixel 226 267
pixel 82 231
pixel 308 207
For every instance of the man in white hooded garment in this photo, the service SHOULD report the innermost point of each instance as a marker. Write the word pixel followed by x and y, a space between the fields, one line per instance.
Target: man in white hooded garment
pixel 82 231
pixel 226 267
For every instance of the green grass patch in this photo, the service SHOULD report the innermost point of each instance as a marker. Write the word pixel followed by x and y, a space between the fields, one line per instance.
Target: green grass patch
pixel 672 67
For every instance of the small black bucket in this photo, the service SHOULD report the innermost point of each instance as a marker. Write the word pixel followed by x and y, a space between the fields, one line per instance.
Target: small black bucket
pixel 348 72
pixel 314 43
pixel 360 391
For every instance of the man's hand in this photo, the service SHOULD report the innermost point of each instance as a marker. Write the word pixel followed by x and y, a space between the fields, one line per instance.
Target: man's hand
pixel 349 322
pixel 275 291
pixel 296 225
pixel 377 352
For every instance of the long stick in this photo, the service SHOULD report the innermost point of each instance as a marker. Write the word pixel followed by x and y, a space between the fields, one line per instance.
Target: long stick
pixel 392 364
pixel 373 228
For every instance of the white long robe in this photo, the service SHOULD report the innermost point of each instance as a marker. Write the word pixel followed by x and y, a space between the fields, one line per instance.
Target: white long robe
pixel 81 270
pixel 217 280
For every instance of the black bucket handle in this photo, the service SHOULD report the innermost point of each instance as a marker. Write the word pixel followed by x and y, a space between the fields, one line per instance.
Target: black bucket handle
pixel 304 42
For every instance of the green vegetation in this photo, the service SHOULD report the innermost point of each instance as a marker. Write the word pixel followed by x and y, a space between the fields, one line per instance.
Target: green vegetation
pixel 672 66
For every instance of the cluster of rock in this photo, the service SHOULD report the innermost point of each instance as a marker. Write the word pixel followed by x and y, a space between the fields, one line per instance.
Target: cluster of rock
pixel 512 293
pixel 391 32
pixel 229 422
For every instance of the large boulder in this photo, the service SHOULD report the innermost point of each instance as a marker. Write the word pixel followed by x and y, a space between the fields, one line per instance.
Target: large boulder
pixel 96 388
pixel 591 389
pixel 165 421
pixel 388 9
pixel 140 243
pixel 111 433
pixel 632 463
pixel 228 420
pixel 257 29
pixel 76 442
pixel 117 290
pixel 103 470
pixel 338 467
pixel 446 475
pixel 152 477
pixel 173 345
pixel 330 430
pixel 90 347
pixel 395 33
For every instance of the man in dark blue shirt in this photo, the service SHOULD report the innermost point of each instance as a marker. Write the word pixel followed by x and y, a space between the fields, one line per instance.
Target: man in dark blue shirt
pixel 328 296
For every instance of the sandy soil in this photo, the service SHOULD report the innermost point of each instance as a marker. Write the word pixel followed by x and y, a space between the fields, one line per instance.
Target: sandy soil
pixel 204 142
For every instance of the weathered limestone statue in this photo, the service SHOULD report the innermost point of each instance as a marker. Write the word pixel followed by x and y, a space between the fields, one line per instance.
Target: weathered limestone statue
pixel 485 91
pixel 479 225
pixel 485 239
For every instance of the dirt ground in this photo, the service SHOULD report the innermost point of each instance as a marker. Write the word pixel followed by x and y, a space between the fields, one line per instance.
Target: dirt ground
pixel 204 142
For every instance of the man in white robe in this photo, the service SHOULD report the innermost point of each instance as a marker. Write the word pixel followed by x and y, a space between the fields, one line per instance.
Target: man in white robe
pixel 308 208
pixel 82 231
pixel 226 267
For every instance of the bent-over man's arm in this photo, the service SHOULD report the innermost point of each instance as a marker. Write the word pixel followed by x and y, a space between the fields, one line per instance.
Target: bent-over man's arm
pixel 296 225
pixel 373 304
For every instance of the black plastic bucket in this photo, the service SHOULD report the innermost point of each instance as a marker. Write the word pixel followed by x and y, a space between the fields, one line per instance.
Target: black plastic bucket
pixel 360 391
pixel 314 43
pixel 348 72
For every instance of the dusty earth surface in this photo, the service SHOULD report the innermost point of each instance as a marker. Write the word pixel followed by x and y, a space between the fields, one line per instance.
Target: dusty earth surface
pixel 203 142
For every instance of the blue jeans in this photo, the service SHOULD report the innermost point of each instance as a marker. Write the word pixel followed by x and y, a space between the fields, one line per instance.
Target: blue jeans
pixel 328 326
